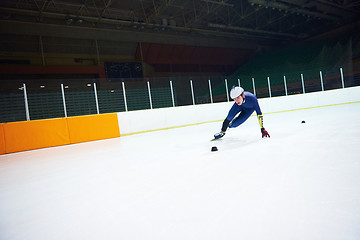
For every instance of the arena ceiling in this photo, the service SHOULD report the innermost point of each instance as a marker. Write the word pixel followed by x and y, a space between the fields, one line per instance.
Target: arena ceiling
pixel 227 23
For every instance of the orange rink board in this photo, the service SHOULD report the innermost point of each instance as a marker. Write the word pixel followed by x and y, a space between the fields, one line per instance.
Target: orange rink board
pixel 93 127
pixel 22 136
pixel 29 135
pixel 2 139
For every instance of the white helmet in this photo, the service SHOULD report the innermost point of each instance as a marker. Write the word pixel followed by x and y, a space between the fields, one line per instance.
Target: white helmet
pixel 236 91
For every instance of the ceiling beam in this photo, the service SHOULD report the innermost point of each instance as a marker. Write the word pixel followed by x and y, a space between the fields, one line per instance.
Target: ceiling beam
pixel 219 3
pixel 294 9
pixel 66 31
pixel 158 9
pixel 125 25
pixel 242 29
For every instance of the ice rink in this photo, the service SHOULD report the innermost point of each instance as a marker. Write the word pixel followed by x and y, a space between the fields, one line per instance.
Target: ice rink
pixel 303 183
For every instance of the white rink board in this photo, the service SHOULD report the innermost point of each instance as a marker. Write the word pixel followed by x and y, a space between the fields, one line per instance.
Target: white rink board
pixel 153 119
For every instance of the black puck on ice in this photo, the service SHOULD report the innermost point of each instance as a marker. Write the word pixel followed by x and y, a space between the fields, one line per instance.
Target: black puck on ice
pixel 302 121
pixel 214 149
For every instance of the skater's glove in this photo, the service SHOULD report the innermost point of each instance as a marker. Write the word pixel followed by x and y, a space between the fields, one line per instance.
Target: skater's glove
pixel 264 133
pixel 219 135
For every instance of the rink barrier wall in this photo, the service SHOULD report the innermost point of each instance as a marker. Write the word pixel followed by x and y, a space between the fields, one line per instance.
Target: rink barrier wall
pixel 2 139
pixel 22 136
pixel 93 127
pixel 310 100
pixel 166 118
pixel 29 135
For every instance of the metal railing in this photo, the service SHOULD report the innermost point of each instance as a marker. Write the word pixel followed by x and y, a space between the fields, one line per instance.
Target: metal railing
pixel 47 98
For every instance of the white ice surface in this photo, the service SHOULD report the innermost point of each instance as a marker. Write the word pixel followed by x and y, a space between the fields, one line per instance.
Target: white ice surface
pixel 303 183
